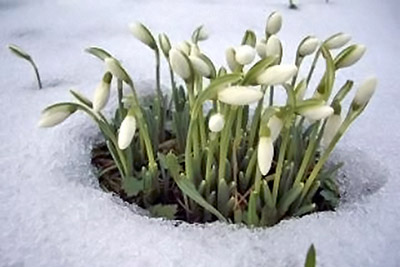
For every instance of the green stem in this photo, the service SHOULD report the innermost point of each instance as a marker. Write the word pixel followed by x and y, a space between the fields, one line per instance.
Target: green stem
pixel 35 68
pixel 271 96
pixel 210 159
pixel 313 65
pixel 225 140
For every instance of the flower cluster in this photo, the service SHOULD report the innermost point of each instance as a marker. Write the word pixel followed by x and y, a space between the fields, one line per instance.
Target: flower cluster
pixel 181 160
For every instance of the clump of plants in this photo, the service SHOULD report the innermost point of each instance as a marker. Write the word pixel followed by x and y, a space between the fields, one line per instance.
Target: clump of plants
pixel 221 147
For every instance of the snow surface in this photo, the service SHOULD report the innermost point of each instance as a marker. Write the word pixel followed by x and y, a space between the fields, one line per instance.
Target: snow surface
pixel 52 212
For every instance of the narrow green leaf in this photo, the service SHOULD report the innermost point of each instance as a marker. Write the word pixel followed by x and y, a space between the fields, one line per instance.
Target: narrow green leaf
pixel 163 211
pixel 252 217
pixel 311 257
pixel 289 198
pixel 81 98
pixel 251 76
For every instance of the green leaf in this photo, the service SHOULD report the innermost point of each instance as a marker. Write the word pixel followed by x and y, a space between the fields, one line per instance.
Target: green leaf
pixel 289 198
pixel 311 257
pixel 98 52
pixel 187 187
pixel 326 84
pixel 251 76
pixel 252 217
pixel 132 186
pixel 163 211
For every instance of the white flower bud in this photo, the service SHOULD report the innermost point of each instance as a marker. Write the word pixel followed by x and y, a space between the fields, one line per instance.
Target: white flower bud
pixel 216 122
pixel 365 91
pixel 194 50
pixel 55 115
pixel 277 74
pixel 315 113
pixel 332 126
pixel 184 47
pixel 230 59
pixel 239 95
pixel 275 125
pixel 245 54
pixel 180 63
pixel 261 48
pixel 117 70
pixel 143 34
pixel 351 56
pixel 274 23
pixel 265 154
pixel 337 40
pixel 202 33
pixel 165 44
pixel 273 46
pixel 200 66
pixel 102 93
pixel 126 131
pixel 308 46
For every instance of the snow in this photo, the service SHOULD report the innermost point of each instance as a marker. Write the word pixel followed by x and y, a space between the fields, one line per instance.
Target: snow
pixel 52 212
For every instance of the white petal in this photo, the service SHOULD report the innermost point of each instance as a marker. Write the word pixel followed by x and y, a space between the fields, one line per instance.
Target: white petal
pixel 245 54
pixel 116 69
pixel 101 96
pixel 142 34
pixel 365 91
pixel 179 63
pixel 216 122
pixel 273 46
pixel 274 23
pixel 200 66
pixel 317 112
pixel 54 116
pixel 126 132
pixel 275 125
pixel 265 154
pixel 230 59
pixel 261 48
pixel 338 40
pixel 277 74
pixel 352 57
pixel 239 95
pixel 308 46
pixel 332 126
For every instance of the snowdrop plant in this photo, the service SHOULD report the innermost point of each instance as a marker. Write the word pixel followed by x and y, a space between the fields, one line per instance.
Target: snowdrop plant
pixel 222 147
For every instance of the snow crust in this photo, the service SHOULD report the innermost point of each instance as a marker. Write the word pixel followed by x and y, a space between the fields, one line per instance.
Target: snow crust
pixel 52 212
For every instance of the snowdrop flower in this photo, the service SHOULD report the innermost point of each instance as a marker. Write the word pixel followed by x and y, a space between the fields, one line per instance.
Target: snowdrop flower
pixel 143 34
pixel 202 33
pixel 194 50
pixel 245 54
pixel 315 113
pixel 365 91
pixel 180 63
pixel 308 46
pixel 116 69
pixel 102 93
pixel 261 48
pixel 350 56
pixel 165 44
pixel 274 23
pixel 126 131
pixel 273 46
pixel 200 66
pixel 277 74
pixel 216 122
pixel 337 40
pixel 332 126
pixel 55 115
pixel 265 154
pixel 230 59
pixel 239 95
pixel 275 125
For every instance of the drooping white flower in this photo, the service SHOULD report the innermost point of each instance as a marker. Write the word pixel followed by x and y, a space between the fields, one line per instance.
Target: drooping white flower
pixel 308 46
pixel 165 44
pixel 350 58
pixel 55 115
pixel 230 59
pixel 180 63
pixel 102 93
pixel 332 126
pixel 245 54
pixel 202 33
pixel 184 47
pixel 143 34
pixel 265 154
pixel 200 66
pixel 239 95
pixel 116 69
pixel 274 23
pixel 277 74
pixel 275 125
pixel 337 40
pixel 216 122
pixel 365 91
pixel 261 48
pixel 318 112
pixel 273 46
pixel 126 131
